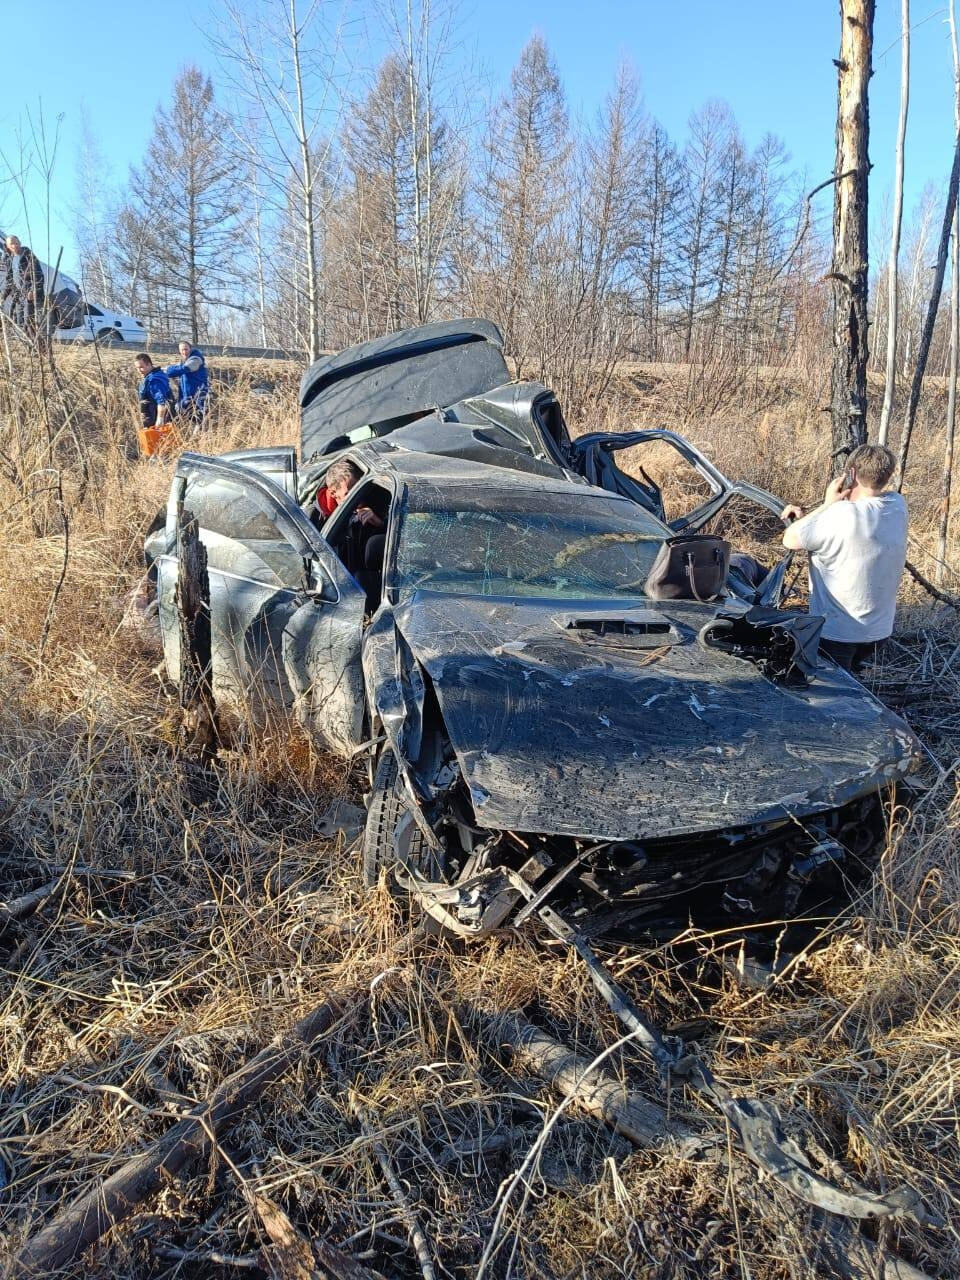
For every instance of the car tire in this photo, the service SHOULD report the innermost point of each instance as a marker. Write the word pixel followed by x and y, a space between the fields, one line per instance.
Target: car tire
pixel 387 807
pixel 110 338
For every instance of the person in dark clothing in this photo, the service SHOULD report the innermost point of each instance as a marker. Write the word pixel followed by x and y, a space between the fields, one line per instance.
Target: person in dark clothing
pixel 194 383
pixel 30 289
pixel 7 285
pixel 362 545
pixel 156 398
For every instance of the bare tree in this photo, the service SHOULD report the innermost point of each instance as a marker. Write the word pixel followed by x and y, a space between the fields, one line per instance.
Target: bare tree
pixel 653 250
pixel 709 138
pixel 763 284
pixel 849 271
pixel 915 251
pixel 522 199
pixel 202 201
pixel 422 35
pixel 391 221
pixel 891 368
pixel 95 221
pixel 933 306
pixel 176 235
pixel 729 217
pixel 282 57
pixel 592 332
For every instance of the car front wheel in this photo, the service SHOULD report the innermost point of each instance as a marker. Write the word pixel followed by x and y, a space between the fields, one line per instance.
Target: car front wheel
pixel 387 807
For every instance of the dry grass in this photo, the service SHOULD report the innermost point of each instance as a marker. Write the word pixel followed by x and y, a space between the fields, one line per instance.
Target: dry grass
pixel 120 1002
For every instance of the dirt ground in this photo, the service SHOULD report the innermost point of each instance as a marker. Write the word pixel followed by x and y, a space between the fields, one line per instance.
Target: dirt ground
pixel 200 914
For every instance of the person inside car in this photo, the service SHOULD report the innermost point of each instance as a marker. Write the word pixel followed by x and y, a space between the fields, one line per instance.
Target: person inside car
pixel 337 483
pixel 857 543
pixel 361 547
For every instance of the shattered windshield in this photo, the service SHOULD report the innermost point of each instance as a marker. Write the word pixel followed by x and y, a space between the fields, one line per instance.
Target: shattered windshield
pixel 557 547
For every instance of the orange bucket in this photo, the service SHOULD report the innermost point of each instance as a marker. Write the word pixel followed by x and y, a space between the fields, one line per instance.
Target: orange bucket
pixel 154 440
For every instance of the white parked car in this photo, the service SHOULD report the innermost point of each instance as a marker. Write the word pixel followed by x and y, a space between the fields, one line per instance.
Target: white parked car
pixel 86 322
pixel 72 318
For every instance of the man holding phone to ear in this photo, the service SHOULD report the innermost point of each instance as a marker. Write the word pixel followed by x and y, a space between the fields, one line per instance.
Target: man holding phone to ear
pixel 857 542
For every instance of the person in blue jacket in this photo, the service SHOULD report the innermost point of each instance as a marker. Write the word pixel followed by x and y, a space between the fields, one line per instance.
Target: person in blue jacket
pixel 156 398
pixel 194 383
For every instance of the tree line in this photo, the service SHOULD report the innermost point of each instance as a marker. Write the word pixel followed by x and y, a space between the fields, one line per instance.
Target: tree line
pixel 292 205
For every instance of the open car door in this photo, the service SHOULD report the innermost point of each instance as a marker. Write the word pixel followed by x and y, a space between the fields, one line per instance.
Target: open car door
pixel 594 456
pixel 286 617
pixel 702 494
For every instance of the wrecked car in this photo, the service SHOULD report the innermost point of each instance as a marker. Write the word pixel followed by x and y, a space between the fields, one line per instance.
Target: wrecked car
pixel 562 691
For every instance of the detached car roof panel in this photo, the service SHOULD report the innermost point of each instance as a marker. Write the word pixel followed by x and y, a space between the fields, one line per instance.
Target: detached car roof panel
pixel 387 382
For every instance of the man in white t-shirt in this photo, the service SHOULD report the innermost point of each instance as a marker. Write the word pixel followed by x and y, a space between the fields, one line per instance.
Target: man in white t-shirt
pixel 857 541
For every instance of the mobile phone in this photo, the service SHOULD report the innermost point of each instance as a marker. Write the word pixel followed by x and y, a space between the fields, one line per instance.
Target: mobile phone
pixel 849 479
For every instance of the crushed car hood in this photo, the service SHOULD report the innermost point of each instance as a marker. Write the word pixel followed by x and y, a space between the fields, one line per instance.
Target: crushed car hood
pixel 564 726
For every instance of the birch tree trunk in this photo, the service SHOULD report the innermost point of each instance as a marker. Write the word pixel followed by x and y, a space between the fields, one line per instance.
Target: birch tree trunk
pixel 306 167
pixel 257 199
pixel 932 307
pixel 850 250
pixel 891 372
pixel 954 337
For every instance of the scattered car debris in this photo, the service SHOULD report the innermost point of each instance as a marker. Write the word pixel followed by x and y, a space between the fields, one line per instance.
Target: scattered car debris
pixel 342 818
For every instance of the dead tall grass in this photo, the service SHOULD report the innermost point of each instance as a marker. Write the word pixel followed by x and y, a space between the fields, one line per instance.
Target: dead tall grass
pixel 124 1001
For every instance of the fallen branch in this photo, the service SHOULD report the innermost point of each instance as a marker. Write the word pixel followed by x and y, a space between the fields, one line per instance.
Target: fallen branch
pixel 211 1257
pixel 104 1206
pixel 415 1232
pixel 600 1094
pixel 853 1257
pixel 645 1124
pixel 28 903
pixel 294 1257
pixel 943 596
pixel 417 1236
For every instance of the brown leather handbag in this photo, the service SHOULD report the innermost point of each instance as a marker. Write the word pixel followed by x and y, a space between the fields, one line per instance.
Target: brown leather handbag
pixel 689 567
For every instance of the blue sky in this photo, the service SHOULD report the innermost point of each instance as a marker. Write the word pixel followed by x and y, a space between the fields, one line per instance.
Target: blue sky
pixel 772 62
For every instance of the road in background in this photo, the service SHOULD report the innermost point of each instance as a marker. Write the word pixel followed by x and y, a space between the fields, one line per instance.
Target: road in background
pixel 171 348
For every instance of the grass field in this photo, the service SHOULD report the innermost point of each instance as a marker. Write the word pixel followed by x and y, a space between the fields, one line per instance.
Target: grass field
pixel 127 998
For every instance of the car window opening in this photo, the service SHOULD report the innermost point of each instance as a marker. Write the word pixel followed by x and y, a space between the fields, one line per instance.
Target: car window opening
pixel 240 532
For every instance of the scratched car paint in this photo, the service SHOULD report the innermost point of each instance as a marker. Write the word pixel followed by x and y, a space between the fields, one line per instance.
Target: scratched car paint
pixel 520 702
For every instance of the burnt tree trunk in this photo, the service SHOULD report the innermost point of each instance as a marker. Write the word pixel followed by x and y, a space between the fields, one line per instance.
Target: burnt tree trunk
pixel 848 400
pixel 198 733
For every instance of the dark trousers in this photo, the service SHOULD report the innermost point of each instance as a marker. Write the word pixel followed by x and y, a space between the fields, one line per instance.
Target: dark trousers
pixel 33 320
pixel 193 411
pixel 852 657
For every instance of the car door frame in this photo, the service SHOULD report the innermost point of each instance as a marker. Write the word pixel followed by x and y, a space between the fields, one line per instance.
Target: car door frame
pixel 325 623
pixel 257 460
pixel 584 449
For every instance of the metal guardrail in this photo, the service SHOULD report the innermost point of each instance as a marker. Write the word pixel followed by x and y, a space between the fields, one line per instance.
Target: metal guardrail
pixel 209 350
pixel 171 348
